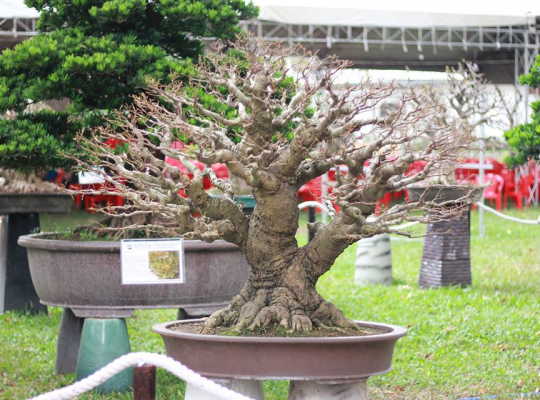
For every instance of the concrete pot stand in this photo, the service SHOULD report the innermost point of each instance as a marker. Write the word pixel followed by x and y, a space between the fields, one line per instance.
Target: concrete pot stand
pixel 318 368
pixel 85 279
pixel 446 258
pixel 21 217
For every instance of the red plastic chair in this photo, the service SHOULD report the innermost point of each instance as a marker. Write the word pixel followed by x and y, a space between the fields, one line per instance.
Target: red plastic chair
pixel 511 190
pixel 90 200
pixel 386 199
pixel 311 191
pixel 526 184
pixel 498 167
pixel 467 174
pixel 78 197
pixel 494 191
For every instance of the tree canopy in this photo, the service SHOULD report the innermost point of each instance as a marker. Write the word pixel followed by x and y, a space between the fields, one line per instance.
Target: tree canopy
pixel 97 54
pixel 524 140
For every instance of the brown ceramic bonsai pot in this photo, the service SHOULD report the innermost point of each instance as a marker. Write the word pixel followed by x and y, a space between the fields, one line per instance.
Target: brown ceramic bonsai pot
pixel 86 277
pixel 328 360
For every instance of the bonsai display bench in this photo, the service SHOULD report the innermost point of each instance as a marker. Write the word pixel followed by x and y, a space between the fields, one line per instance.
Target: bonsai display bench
pixel 21 217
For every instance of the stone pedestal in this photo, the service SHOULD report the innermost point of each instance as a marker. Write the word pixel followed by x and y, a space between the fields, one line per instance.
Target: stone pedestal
pixel 16 289
pixel 309 390
pixel 250 388
pixel 299 390
pixel 21 217
pixel 446 259
pixel 373 264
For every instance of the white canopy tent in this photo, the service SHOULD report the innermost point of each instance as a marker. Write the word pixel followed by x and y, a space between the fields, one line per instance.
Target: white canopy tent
pixel 16 9
pixel 399 13
pixel 17 22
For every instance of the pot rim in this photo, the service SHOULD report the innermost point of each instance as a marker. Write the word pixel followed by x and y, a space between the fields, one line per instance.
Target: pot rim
pixel 37 194
pixel 36 241
pixel 453 186
pixel 395 333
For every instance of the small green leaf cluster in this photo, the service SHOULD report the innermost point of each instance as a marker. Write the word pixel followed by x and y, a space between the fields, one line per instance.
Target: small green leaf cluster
pixel 524 140
pixel 26 144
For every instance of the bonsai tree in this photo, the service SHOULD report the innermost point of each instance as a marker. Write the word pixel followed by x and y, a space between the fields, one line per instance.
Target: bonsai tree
pixel 89 59
pixel 276 124
pixel 524 140
pixel 469 101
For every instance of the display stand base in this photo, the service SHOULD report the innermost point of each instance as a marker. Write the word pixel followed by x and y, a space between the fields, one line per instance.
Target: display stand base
pixel 446 258
pixel 103 341
pixel 250 388
pixel 309 390
pixel 17 292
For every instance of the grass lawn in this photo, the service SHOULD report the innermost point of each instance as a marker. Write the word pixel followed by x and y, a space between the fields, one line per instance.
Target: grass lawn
pixel 482 340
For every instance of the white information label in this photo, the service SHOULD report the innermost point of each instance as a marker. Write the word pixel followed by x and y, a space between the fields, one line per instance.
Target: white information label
pixel 152 261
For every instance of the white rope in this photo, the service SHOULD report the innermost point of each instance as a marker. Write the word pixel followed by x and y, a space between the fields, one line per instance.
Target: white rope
pixel 139 359
pixel 499 214
pixel 307 204
pixel 407 225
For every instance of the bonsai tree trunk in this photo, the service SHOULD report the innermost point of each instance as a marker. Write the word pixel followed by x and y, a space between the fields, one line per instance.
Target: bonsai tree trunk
pixel 281 286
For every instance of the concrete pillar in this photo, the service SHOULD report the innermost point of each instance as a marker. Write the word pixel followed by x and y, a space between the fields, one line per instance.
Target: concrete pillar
pixel 250 388
pixel 310 390
pixel 446 258
pixel 69 338
pixel 16 289
pixel 373 261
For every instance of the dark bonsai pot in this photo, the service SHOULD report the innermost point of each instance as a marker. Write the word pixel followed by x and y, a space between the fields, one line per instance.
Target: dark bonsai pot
pixel 86 277
pixel 22 217
pixel 338 363
pixel 442 193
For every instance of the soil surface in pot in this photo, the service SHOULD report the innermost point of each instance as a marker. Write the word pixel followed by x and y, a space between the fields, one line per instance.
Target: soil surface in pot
pixel 274 331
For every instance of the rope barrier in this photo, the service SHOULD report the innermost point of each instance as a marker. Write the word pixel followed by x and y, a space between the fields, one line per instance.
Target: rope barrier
pixel 407 225
pixel 138 359
pixel 307 204
pixel 500 214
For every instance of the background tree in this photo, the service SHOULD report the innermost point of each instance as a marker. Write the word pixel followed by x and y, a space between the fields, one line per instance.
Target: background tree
pixel 524 140
pixel 277 137
pixel 469 101
pixel 94 55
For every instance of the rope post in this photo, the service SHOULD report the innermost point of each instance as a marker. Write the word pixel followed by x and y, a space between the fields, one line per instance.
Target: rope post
pixel 144 382
pixel 311 219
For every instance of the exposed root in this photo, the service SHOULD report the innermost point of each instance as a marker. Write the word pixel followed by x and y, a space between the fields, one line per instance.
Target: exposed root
pixel 329 315
pixel 278 307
